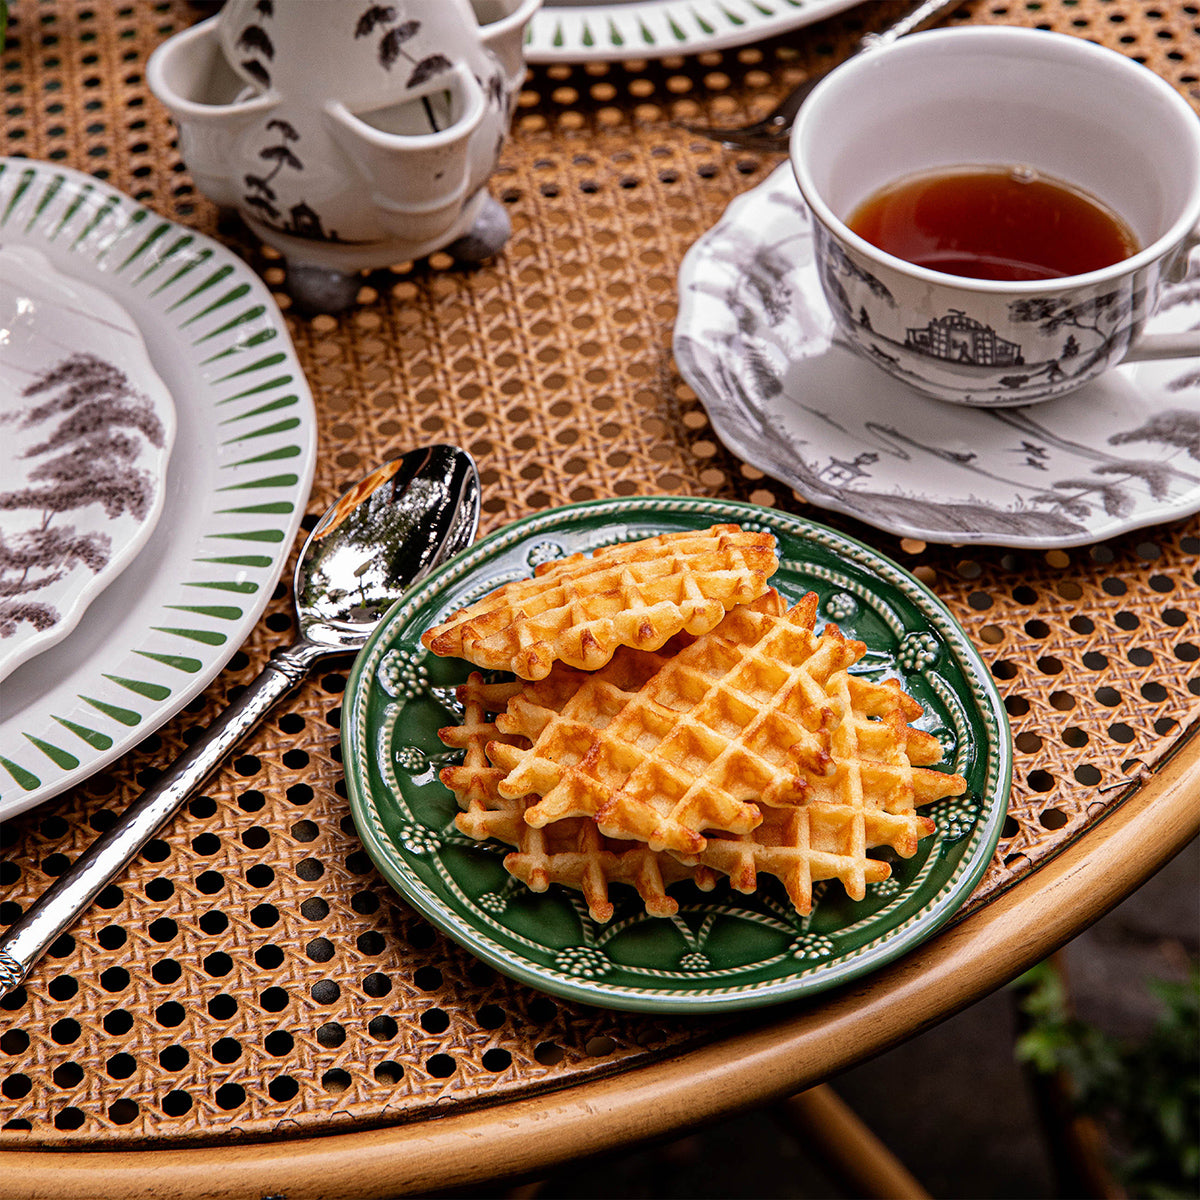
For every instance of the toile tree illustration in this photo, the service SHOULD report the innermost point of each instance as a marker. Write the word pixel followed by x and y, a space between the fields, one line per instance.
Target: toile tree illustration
pixel 1052 315
pixel 1099 316
pixel 391 48
pixel 95 422
pixel 1178 427
pixel 769 279
pixel 256 42
pixel 1109 484
pixel 259 192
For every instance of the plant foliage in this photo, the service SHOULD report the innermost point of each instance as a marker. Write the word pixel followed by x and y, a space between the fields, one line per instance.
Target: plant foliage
pixel 1146 1093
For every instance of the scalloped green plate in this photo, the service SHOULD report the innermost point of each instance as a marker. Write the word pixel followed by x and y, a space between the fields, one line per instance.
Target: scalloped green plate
pixel 722 950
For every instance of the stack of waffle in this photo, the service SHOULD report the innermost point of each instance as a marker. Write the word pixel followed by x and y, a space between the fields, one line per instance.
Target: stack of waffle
pixel 674 719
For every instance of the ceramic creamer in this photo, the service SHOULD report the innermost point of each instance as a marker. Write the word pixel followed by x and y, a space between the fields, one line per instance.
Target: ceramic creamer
pixel 349 135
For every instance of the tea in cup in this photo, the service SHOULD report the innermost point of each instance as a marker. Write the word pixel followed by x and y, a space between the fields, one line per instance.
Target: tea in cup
pixel 998 209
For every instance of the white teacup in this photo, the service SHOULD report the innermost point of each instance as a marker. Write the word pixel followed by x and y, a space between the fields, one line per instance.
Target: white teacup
pixel 995 96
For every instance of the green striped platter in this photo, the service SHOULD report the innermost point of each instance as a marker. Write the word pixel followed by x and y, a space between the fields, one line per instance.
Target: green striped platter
pixel 722 950
pixel 578 31
pixel 236 487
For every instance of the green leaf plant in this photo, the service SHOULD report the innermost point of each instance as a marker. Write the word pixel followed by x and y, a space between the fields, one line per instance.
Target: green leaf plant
pixel 1145 1093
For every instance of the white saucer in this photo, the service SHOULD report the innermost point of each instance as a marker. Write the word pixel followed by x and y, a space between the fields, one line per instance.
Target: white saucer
pixel 754 338
pixel 86 427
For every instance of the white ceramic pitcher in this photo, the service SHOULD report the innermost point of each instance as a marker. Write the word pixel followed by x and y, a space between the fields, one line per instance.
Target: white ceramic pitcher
pixel 349 134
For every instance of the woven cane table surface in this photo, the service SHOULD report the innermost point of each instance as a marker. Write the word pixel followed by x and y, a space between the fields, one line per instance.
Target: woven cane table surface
pixel 251 974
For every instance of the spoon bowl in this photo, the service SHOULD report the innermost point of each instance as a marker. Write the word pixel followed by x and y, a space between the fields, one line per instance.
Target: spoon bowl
pixel 382 536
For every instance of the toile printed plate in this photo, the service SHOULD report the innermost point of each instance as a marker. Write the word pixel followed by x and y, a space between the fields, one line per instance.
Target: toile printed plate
pixel 722 950
pixel 234 489
pixel 570 31
pixel 86 427
pixel 754 338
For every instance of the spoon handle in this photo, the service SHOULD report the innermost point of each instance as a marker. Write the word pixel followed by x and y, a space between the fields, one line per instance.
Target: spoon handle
pixel 74 890
pixel 912 20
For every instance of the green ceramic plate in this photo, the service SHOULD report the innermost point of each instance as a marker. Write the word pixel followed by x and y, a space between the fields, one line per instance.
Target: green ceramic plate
pixel 723 950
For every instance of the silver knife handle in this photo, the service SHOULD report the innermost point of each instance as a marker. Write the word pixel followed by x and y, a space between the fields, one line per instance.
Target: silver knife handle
pixel 912 20
pixel 74 890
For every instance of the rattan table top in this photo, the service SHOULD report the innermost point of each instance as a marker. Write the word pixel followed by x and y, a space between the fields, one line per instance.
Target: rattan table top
pixel 202 1002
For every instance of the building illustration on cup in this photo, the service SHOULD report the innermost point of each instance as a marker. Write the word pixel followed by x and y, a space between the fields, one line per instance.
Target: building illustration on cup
pixel 1010 350
pixel 958 338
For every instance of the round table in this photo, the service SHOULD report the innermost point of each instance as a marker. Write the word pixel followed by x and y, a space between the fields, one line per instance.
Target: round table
pixel 336 1036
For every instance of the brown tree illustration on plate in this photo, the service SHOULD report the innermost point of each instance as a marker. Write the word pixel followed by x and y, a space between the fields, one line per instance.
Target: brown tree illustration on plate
pixel 96 424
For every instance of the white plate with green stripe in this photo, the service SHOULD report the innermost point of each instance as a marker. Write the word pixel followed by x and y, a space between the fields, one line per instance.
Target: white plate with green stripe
pixel 566 31
pixel 236 485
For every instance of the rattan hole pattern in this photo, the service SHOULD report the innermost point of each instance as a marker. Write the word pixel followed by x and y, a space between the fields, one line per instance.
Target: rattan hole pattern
pixel 251 974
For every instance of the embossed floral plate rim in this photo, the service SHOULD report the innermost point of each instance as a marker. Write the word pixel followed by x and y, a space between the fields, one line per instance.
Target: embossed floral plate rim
pixel 560 33
pixel 104 352
pixel 236 487
pixel 724 951
pixel 754 338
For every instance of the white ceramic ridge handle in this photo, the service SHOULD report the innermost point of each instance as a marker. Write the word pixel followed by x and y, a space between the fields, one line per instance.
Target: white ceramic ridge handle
pixel 1185 344
pixel 1154 346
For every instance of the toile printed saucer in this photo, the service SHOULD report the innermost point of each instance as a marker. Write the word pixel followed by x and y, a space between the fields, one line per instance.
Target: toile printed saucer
pixel 755 339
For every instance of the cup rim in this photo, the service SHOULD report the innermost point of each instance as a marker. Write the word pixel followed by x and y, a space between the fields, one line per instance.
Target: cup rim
pixel 1187 222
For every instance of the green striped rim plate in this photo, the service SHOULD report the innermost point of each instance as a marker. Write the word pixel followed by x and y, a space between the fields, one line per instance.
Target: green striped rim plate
pixel 585 32
pixel 236 487
pixel 722 950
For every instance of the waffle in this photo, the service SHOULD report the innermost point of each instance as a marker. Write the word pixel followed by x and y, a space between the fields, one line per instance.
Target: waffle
pixel 867 798
pixel 578 610
pixel 571 852
pixel 747 751
pixel 740 717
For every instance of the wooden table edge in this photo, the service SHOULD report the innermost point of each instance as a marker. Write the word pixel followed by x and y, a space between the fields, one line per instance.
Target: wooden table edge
pixel 808 1045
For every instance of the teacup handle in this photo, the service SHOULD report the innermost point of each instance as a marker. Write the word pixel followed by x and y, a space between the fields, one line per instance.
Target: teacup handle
pixel 1171 345
pixel 1151 346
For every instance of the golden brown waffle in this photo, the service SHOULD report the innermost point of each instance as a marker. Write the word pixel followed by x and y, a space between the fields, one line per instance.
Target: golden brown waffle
pixel 867 798
pixel 799 846
pixel 571 852
pixel 578 610
pixel 737 718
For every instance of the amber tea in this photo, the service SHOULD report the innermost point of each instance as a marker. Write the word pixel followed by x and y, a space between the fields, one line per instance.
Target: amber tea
pixel 993 223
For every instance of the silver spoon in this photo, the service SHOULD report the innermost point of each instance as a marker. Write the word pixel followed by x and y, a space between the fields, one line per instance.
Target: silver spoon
pixel 390 530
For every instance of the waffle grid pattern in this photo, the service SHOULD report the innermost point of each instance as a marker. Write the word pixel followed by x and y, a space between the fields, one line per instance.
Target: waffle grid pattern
pixel 692 752
pixel 578 610
pixel 571 852
pixel 753 734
